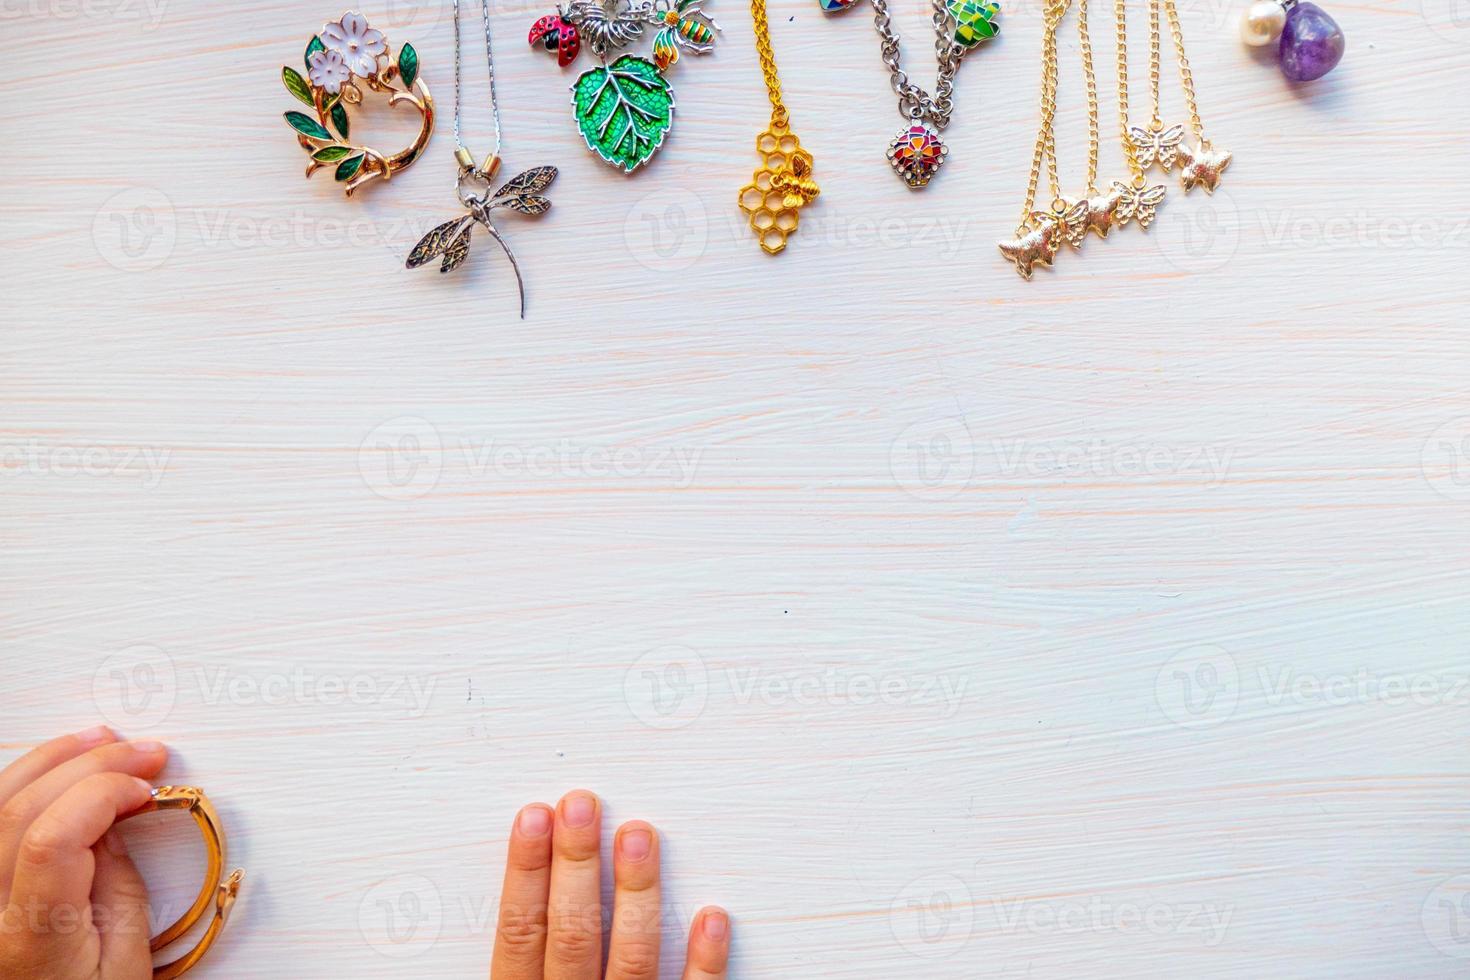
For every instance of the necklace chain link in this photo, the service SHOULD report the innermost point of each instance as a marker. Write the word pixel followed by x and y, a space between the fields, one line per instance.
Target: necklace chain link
pixel 767 54
pixel 913 101
pixel 459 73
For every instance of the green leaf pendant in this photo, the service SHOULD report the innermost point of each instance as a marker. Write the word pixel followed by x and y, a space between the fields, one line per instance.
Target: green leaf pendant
pixel 624 110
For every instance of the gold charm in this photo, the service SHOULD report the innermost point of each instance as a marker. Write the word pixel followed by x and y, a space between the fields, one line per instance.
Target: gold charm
pixel 1099 214
pixel 1141 203
pixel 779 189
pixel 783 184
pixel 1156 145
pixel 1036 244
pixel 1202 165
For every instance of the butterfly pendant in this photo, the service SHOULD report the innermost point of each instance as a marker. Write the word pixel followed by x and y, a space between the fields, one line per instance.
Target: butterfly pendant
pixel 1159 146
pixel 1099 214
pixel 1036 245
pixel 1202 165
pixel 1142 204
pixel 521 194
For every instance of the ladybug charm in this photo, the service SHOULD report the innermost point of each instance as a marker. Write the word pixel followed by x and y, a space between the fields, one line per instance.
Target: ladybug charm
pixel 556 34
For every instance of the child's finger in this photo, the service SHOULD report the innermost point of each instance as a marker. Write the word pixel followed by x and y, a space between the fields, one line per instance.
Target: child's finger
pixel 520 935
pixel 54 864
pixel 709 946
pixel 636 924
pixel 141 759
pixel 574 923
pixel 42 759
pixel 120 910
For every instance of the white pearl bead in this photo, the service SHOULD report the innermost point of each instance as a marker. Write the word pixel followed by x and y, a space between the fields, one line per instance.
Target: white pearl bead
pixel 1262 23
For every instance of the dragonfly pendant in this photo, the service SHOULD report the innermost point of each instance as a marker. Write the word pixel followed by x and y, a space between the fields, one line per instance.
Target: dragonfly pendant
pixel 521 194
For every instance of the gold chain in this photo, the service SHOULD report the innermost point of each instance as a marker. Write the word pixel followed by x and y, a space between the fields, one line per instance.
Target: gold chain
pixel 1186 77
pixel 1120 14
pixel 1045 151
pixel 1046 144
pixel 1155 44
pixel 767 55
pixel 1084 37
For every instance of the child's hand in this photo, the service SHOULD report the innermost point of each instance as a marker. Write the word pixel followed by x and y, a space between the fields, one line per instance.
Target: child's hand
pixel 551 912
pixel 74 907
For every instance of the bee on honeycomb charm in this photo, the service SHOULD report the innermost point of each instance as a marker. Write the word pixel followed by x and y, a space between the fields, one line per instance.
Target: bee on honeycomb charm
pixel 779 189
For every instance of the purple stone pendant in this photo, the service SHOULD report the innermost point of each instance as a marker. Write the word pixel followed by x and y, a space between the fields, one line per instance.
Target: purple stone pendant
pixel 1311 43
pixel 1308 41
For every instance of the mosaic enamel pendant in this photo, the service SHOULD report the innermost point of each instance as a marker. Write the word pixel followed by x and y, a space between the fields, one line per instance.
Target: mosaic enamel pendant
pixel 624 108
pixel 916 154
pixel 974 21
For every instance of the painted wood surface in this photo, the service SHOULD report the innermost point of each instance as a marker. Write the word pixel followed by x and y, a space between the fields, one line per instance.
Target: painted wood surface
pixel 948 625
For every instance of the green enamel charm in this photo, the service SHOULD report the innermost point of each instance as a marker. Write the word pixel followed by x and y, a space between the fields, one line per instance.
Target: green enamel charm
pixel 624 110
pixel 297 86
pixel 974 21
pixel 348 168
pixel 408 65
pixel 307 126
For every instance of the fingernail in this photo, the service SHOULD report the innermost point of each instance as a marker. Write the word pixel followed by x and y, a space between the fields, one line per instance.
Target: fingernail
pixel 635 845
pixel 113 841
pixel 95 735
pixel 580 810
pixel 716 926
pixel 147 746
pixel 144 785
pixel 535 821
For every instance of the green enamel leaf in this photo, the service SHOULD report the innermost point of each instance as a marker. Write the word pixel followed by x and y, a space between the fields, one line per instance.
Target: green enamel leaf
pixel 311 49
pixel 974 21
pixel 348 169
pixel 331 154
pixel 307 126
pixel 296 85
pixel 408 65
pixel 624 110
pixel 339 119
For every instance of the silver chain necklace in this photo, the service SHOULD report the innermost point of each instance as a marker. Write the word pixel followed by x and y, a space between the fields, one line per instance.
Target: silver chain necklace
pixel 459 79
pixel 913 101
pixel 917 152
pixel 522 194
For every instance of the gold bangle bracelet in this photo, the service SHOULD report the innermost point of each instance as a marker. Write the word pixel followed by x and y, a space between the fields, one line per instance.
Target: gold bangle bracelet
pixel 217 891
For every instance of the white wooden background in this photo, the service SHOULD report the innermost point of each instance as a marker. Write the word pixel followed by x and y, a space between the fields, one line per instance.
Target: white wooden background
pixel 948 626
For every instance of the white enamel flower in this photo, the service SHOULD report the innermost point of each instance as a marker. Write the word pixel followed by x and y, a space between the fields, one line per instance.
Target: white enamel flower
pixel 328 71
pixel 357 43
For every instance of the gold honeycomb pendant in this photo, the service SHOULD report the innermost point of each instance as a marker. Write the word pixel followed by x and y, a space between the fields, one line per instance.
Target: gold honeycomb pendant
pixel 779 189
